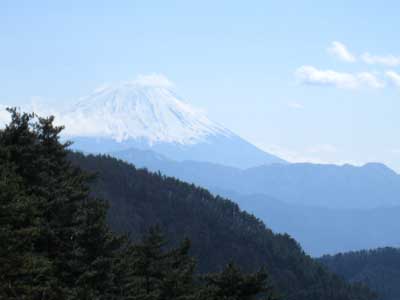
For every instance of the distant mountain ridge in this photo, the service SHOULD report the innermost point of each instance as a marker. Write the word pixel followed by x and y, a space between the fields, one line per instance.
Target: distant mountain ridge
pixel 323 230
pixel 319 228
pixel 329 186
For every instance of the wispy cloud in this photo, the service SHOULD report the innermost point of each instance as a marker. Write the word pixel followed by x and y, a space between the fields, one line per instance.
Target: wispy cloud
pixel 4 116
pixel 322 148
pixel 295 105
pixel 313 76
pixel 393 77
pixel 319 154
pixel 36 104
pixel 158 80
pixel 386 60
pixel 340 51
pixel 150 80
pixel 395 151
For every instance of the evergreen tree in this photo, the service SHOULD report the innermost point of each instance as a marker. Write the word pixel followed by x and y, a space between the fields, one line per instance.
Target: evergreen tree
pixel 232 284
pixel 94 253
pixel 70 247
pixel 159 273
pixel 26 272
pixel 178 281
pixel 123 279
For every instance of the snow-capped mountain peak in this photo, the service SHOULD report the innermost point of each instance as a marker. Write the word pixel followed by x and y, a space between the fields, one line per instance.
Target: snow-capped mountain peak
pixel 146 108
pixel 146 114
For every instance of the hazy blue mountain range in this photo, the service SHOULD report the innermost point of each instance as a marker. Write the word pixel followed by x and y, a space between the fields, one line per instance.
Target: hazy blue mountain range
pixel 320 227
pixel 370 186
pixel 326 230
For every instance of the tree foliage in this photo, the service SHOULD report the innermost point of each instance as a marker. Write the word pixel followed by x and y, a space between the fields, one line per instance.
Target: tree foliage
pixel 55 242
pixel 379 269
pixel 232 284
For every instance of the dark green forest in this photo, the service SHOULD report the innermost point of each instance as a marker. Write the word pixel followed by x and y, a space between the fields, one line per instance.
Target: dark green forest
pixel 55 242
pixel 218 230
pixel 379 269
pixel 93 227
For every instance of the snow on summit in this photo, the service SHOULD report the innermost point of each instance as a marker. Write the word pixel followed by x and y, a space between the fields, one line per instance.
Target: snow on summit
pixel 147 114
pixel 146 108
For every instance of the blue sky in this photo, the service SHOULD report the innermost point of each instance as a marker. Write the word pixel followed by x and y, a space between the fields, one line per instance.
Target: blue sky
pixel 307 80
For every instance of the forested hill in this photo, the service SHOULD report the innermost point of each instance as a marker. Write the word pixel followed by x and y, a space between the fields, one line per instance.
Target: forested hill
pixel 379 269
pixel 219 231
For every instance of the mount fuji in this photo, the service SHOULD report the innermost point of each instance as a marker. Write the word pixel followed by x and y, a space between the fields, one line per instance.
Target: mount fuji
pixel 147 114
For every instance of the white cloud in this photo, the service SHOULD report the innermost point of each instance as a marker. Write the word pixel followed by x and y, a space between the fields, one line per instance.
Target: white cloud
pixel 4 116
pixel 102 88
pixel 387 60
pixel 340 50
pixel 151 80
pixel 323 148
pixel 369 79
pixel 395 151
pixel 36 105
pixel 313 76
pixel 318 154
pixel 295 105
pixel 394 77
pixel 158 80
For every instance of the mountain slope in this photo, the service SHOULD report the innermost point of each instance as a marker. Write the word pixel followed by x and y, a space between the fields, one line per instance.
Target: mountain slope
pixel 219 231
pixel 379 269
pixel 319 229
pixel 148 115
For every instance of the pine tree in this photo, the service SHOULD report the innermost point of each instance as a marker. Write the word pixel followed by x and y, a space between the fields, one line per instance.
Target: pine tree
pixel 232 284
pixel 178 282
pixel 148 263
pixel 69 247
pixel 95 253
pixel 25 271
pixel 161 274
pixel 124 278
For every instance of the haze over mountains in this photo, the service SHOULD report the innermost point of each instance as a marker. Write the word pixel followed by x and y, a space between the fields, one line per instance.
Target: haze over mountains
pixel 331 186
pixel 219 231
pixel 331 209
pixel 144 122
